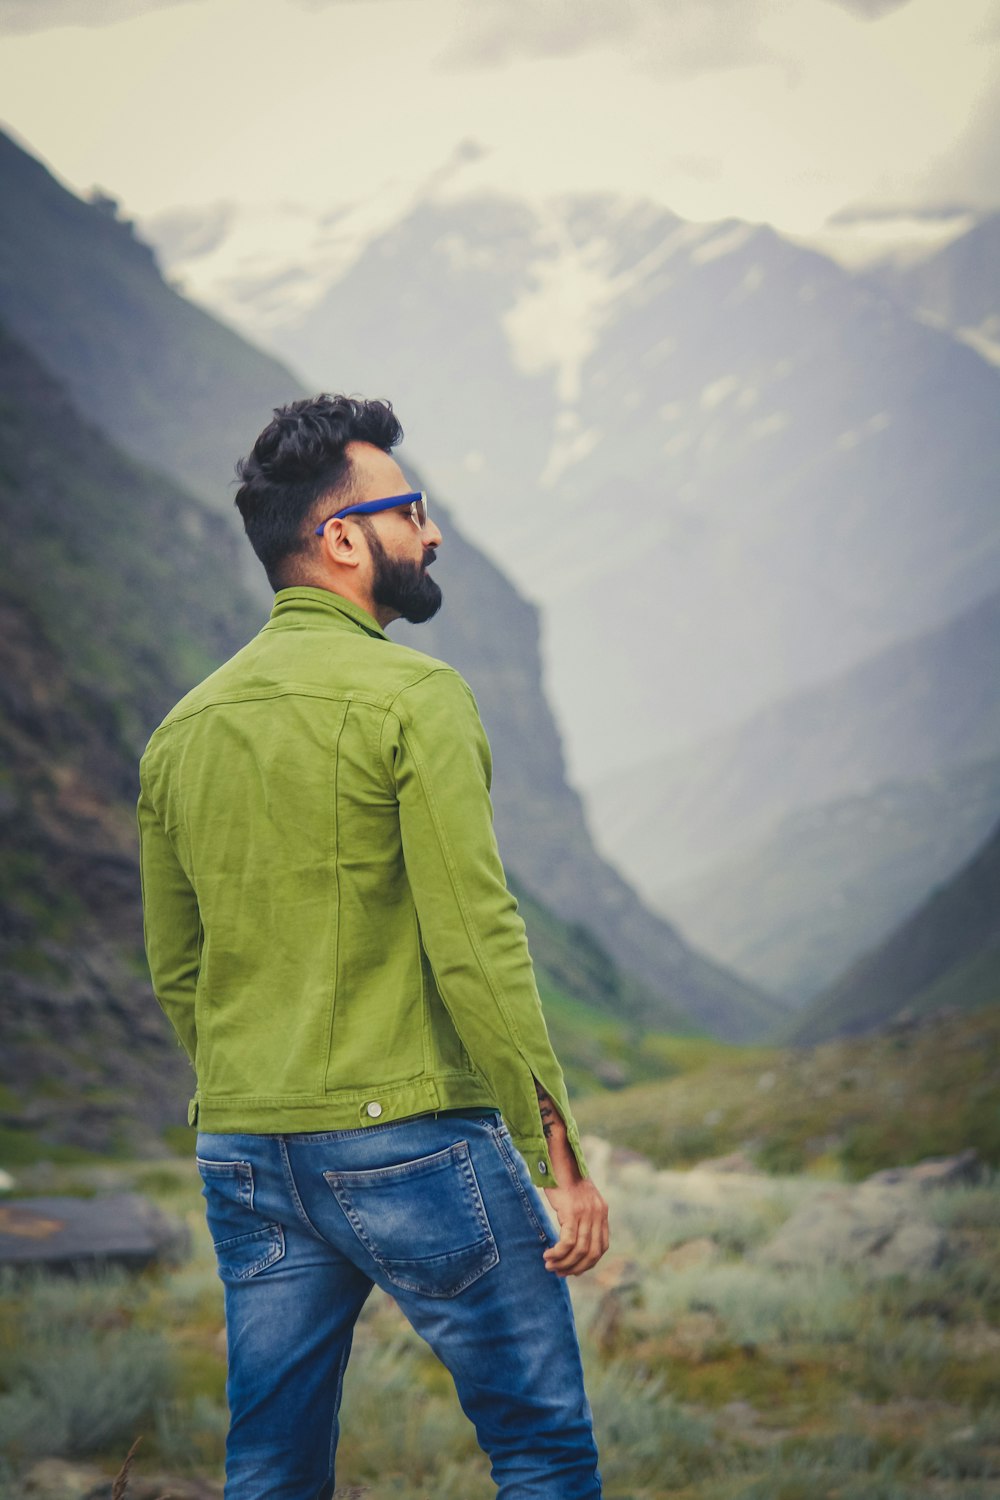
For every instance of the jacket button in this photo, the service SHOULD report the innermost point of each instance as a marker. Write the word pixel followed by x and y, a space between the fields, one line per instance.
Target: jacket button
pixel 374 1109
pixel 543 1166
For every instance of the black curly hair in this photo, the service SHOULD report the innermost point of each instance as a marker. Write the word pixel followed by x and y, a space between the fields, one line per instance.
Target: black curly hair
pixel 298 459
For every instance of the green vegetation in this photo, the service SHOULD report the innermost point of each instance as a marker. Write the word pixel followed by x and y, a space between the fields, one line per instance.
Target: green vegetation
pixel 712 1374
pixel 134 611
pixel 851 1106
pixel 159 374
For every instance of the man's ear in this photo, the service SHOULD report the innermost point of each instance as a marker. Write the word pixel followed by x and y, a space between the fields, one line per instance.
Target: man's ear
pixel 341 543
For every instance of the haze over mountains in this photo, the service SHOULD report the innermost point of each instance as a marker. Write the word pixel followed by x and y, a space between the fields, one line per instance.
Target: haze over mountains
pixel 804 834
pixel 957 287
pixel 86 295
pixel 756 494
pixel 171 383
pixel 729 467
pixel 945 956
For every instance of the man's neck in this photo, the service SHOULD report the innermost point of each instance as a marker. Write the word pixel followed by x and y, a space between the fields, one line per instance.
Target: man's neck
pixel 379 612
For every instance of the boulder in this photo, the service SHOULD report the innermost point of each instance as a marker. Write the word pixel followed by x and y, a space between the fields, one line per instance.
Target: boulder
pixel 736 1161
pixel 933 1172
pixel 64 1233
pixel 697 1252
pixel 880 1230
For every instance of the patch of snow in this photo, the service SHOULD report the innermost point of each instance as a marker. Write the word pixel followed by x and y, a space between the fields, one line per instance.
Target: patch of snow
pixel 901 239
pixel 556 322
pixel 855 435
pixel 718 390
pixel 676 444
pixel 571 293
pixel 262 265
pixel 473 461
pixel 806 292
pixel 765 426
pixel 671 411
pixel 658 351
pixel 753 278
pixel 747 397
pixel 463 255
pixel 571 444
pixel 985 339
pixel 722 244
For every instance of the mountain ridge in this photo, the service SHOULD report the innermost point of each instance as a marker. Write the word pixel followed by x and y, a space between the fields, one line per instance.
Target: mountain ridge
pixel 707 426
pixel 945 955
pixel 487 630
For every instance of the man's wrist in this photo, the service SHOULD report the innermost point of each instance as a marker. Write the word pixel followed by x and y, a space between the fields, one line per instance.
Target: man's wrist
pixel 565 1167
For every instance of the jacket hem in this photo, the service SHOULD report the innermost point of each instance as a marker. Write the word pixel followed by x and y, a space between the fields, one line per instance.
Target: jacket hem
pixel 378 1106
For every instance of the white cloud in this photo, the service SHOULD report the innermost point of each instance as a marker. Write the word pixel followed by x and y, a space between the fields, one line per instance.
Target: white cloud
pixel 20 16
pixel 688 36
pixel 870 10
pixel 351 103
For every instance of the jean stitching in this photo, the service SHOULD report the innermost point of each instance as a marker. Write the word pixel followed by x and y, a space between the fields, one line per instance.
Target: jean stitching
pixel 460 1157
pixel 475 1191
pixel 242 1171
pixel 293 1192
pixel 275 1253
pixel 511 1166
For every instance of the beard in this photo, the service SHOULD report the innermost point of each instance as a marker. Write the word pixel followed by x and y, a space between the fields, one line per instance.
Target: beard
pixel 398 583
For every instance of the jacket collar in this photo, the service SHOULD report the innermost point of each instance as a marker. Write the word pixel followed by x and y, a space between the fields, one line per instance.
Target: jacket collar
pixel 307 605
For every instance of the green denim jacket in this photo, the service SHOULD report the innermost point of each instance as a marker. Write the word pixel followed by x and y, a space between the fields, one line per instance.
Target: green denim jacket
pixel 327 920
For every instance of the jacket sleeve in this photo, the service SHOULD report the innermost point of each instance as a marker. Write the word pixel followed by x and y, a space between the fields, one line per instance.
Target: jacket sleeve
pixel 435 748
pixel 171 923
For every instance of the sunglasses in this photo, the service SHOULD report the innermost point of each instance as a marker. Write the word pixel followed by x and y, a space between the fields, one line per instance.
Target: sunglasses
pixel 415 502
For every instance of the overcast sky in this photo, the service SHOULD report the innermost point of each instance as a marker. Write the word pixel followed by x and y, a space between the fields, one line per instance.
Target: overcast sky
pixel 785 111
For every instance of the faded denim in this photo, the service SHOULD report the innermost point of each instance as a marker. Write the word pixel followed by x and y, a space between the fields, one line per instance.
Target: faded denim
pixel 440 1212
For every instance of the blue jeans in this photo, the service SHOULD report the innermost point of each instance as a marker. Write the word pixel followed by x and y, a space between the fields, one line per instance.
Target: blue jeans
pixel 438 1211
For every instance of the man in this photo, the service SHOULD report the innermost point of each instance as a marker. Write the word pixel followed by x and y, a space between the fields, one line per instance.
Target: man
pixel 330 933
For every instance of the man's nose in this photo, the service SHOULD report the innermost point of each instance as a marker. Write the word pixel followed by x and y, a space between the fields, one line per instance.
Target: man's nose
pixel 431 535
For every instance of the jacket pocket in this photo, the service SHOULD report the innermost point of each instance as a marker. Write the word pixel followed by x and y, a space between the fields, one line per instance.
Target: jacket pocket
pixel 244 1243
pixel 423 1222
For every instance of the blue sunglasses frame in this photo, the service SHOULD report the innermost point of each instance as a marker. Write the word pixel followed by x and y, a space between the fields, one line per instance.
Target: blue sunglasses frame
pixel 416 499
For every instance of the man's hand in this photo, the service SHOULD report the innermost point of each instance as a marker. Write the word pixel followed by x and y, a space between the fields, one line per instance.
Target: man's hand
pixel 583 1228
pixel 581 1211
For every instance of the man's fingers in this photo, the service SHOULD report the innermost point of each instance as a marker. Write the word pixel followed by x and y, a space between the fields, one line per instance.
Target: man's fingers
pixel 591 1250
pixel 579 1253
pixel 583 1232
pixel 566 1244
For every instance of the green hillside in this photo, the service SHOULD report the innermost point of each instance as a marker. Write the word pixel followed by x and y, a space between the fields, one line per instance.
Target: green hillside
pixel 164 379
pixel 946 954
pixel 928 1087
pixel 133 581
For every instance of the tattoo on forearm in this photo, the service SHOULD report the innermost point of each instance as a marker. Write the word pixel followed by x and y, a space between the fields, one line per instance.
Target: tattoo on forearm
pixel 547 1110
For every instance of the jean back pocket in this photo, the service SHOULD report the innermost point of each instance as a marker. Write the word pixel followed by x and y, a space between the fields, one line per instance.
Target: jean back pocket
pixel 244 1243
pixel 423 1222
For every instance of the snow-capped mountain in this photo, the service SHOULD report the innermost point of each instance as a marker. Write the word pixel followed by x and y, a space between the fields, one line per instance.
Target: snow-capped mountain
pixel 725 466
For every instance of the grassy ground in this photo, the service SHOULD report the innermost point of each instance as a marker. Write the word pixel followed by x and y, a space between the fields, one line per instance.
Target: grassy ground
pixel 847 1108
pixel 713 1376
